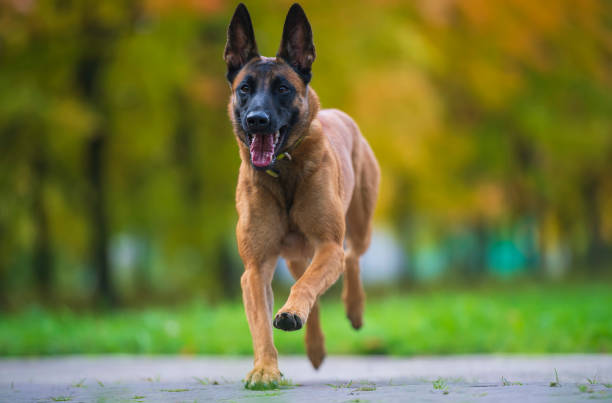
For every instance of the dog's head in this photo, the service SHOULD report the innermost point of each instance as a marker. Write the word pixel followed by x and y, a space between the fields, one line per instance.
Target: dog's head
pixel 270 97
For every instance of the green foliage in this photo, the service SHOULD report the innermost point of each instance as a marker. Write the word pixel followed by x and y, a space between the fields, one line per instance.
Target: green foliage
pixel 139 77
pixel 562 319
pixel 483 115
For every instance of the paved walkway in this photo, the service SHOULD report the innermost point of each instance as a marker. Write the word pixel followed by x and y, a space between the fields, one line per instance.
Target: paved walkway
pixel 340 379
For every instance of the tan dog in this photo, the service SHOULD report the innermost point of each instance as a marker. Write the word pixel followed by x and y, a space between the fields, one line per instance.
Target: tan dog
pixel 307 186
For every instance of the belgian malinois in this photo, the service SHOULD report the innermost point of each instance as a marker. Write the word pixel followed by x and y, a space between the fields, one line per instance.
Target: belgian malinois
pixel 307 188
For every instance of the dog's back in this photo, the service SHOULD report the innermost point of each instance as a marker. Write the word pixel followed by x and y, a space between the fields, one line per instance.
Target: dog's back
pixel 360 170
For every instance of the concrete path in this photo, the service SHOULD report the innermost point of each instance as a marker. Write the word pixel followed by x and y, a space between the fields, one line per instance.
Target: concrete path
pixel 340 379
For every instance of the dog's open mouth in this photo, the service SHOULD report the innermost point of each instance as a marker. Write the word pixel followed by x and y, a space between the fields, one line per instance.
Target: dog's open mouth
pixel 264 146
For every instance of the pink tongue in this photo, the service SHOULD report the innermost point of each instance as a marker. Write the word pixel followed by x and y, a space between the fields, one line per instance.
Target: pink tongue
pixel 262 149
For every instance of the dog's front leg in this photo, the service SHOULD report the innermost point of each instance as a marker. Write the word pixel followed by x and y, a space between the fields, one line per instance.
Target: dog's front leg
pixel 259 232
pixel 318 213
pixel 258 304
pixel 326 267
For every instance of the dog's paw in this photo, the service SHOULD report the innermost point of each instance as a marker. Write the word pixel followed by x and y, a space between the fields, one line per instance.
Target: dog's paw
pixel 287 321
pixel 262 378
pixel 356 320
pixel 315 353
pixel 353 303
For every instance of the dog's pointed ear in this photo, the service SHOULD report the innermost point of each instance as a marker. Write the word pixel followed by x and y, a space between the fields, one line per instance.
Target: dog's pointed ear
pixel 240 46
pixel 296 47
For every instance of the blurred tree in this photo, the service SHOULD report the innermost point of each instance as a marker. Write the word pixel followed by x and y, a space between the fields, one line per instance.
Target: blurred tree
pixel 98 37
pixel 43 258
pixel 491 121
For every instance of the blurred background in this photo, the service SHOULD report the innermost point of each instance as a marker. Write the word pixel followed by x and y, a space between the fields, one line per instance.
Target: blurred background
pixel 491 120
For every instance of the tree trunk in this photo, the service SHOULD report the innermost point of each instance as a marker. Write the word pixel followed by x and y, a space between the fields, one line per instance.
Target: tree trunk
pixel 229 273
pixel 99 229
pixel 97 39
pixel 596 247
pixel 482 239
pixel 42 260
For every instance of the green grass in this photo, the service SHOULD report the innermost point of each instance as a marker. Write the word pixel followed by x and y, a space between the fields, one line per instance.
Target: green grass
pixel 206 381
pixel 506 382
pixel 80 383
pixel 592 380
pixel 555 383
pixel 261 385
pixel 528 319
pixel 270 394
pixel 284 383
pixel 439 384
pixel 340 386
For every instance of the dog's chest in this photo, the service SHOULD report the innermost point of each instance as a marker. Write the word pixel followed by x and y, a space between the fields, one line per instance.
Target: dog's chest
pixel 286 191
pixel 295 246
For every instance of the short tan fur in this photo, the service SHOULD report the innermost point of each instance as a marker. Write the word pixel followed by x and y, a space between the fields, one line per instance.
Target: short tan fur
pixel 316 212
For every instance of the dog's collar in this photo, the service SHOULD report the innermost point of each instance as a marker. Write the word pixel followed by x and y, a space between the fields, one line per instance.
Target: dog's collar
pixel 285 154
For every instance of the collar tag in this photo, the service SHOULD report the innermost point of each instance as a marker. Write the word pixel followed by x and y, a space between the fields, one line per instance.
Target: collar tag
pixel 272 173
pixel 284 155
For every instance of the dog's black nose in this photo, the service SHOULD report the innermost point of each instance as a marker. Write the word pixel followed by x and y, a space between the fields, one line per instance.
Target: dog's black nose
pixel 258 121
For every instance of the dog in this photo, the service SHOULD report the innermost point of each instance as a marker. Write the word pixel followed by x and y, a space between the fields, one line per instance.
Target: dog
pixel 307 188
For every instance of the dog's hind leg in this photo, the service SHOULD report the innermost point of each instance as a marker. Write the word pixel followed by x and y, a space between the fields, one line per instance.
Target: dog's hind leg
pixel 353 295
pixel 358 235
pixel 315 341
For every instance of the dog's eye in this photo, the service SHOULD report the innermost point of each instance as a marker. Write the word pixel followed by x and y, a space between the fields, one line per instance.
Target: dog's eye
pixel 283 89
pixel 245 89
